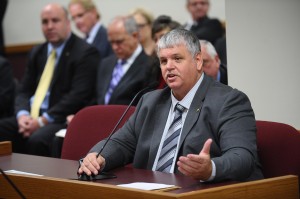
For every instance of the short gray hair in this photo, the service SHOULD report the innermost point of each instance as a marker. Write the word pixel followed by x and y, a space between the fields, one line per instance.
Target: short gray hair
pixel 210 49
pixel 129 23
pixel 179 37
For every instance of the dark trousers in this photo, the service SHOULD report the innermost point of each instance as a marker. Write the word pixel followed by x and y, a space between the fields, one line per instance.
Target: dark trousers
pixel 39 143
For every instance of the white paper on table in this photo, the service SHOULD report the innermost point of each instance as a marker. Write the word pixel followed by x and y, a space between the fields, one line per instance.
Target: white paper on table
pixel 61 133
pixel 146 185
pixel 22 173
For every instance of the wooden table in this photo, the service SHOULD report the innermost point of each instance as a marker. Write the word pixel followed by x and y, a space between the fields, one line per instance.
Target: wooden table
pixel 59 181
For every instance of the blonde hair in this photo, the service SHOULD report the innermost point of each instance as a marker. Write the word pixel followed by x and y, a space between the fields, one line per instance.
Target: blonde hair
pixel 147 15
pixel 87 5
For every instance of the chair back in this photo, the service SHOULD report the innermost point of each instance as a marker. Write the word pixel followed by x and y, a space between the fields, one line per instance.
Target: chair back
pixel 89 126
pixel 278 149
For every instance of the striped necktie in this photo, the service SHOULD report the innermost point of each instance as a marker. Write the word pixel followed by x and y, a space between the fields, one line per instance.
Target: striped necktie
pixel 169 147
pixel 43 85
pixel 116 77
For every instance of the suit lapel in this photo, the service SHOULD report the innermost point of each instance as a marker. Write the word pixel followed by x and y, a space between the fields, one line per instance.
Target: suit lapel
pixel 195 109
pixel 131 73
pixel 61 63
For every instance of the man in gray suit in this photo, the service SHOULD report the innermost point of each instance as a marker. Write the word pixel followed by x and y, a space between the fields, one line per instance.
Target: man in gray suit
pixel 217 132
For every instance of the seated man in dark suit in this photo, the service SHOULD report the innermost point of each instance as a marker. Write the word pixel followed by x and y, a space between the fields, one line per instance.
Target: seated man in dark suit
pixel 195 126
pixel 7 89
pixel 203 26
pixel 123 74
pixel 212 65
pixel 87 19
pixel 52 87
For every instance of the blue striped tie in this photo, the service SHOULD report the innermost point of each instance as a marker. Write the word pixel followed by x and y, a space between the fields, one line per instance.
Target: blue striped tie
pixel 169 147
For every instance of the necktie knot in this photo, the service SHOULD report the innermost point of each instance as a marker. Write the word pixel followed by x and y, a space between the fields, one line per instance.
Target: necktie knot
pixel 179 108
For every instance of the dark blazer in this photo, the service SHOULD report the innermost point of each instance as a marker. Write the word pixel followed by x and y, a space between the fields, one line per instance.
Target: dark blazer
pixel 208 29
pixel 73 80
pixel 135 79
pixel 7 89
pixel 101 43
pixel 217 111
pixel 223 74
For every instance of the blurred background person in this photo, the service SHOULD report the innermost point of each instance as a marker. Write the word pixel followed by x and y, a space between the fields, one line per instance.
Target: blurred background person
pixel 87 19
pixel 7 89
pixel 221 49
pixel 212 65
pixel 144 20
pixel 59 80
pixel 204 27
pixel 3 6
pixel 163 24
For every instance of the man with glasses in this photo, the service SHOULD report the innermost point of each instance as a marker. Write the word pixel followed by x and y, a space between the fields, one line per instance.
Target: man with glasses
pixel 87 19
pixel 122 75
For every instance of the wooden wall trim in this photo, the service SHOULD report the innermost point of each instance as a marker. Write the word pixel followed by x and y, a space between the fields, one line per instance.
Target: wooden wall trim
pixel 22 48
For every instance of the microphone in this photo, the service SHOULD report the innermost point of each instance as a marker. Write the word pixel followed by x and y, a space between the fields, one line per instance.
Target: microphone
pixel 105 175
pixel 12 184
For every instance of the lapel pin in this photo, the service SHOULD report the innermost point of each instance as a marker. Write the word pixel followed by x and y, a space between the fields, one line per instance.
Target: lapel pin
pixel 198 110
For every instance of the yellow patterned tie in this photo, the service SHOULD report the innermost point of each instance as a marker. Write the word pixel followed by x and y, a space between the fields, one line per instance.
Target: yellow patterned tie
pixel 43 86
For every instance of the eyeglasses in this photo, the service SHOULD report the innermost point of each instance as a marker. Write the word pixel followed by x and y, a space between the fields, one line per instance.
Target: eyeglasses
pixel 201 3
pixel 117 41
pixel 140 26
pixel 79 15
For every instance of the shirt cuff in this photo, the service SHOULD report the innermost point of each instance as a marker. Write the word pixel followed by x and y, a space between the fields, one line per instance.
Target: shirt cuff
pixel 47 116
pixel 22 112
pixel 213 173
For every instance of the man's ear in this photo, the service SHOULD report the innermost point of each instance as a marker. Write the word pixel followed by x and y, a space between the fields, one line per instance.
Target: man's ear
pixel 199 61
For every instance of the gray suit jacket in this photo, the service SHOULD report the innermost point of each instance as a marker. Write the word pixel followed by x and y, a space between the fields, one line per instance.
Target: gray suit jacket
pixel 217 111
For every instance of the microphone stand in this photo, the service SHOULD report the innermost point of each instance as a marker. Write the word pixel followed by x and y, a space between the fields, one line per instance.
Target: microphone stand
pixel 105 175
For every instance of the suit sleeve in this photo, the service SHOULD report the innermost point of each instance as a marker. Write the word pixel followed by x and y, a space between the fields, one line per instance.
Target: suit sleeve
pixel 237 139
pixel 121 148
pixel 7 86
pixel 29 82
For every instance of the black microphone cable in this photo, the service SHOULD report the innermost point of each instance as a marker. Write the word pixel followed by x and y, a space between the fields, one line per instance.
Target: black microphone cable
pixel 12 184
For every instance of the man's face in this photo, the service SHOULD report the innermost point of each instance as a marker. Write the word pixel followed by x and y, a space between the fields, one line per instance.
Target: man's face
pixel 180 69
pixel 55 25
pixel 84 19
pixel 123 43
pixel 198 8
pixel 211 65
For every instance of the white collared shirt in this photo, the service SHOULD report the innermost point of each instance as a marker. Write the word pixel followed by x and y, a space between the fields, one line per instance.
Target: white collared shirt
pixel 131 59
pixel 186 102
